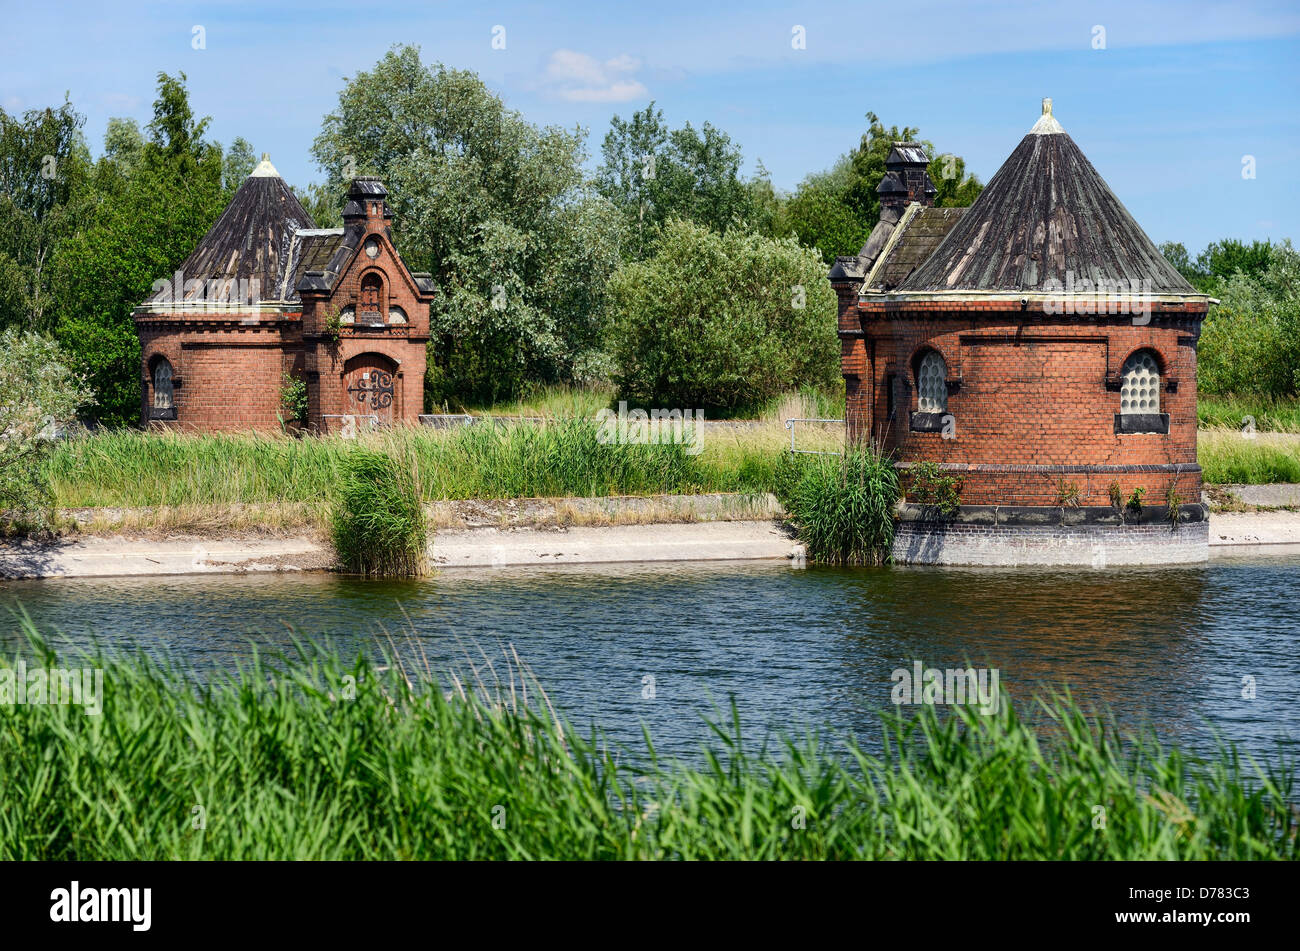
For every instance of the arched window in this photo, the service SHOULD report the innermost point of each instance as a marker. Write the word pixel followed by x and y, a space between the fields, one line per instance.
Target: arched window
pixel 372 293
pixel 931 383
pixel 1140 384
pixel 162 384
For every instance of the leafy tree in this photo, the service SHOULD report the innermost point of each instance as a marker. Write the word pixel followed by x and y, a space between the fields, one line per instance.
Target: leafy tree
pixel 124 145
pixel 1222 259
pixel 722 320
pixel 652 174
pixel 1219 262
pixel 1175 252
pixel 1250 342
pixel 495 208
pixel 820 215
pixel 151 223
pixel 237 165
pixel 43 161
pixel 41 395
pixel 323 203
pixel 867 167
pixel 834 211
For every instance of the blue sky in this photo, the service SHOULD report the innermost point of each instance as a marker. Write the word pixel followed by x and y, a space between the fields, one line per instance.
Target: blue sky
pixel 1167 110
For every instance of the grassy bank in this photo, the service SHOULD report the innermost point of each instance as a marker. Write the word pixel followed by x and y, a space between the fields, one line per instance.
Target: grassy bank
pixel 526 460
pixel 320 759
pixel 1271 415
pixel 279 481
pixel 1228 456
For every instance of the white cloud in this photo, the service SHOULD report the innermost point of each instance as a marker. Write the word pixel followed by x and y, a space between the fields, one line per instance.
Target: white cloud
pixel 577 77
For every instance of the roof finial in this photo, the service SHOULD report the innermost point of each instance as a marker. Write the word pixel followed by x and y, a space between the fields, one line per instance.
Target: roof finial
pixel 1047 124
pixel 264 168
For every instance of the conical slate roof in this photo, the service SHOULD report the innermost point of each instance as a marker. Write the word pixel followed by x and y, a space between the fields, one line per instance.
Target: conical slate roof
pixel 1046 221
pixel 251 241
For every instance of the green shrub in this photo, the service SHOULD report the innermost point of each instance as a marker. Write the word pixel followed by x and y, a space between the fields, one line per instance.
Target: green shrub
pixel 378 525
pixel 844 506
pixel 720 320
pixel 1250 343
pixel 39 395
pixel 293 400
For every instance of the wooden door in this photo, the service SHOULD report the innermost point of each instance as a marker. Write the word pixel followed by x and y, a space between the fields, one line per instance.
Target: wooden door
pixel 370 389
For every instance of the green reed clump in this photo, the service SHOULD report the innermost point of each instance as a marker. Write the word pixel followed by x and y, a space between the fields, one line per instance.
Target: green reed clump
pixel 842 506
pixel 378 524
pixel 314 757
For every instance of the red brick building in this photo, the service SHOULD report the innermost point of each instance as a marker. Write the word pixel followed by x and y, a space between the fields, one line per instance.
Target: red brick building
pixel 267 296
pixel 1037 347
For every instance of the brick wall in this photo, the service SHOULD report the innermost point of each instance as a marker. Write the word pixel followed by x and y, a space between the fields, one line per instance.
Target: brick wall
pixel 1031 398
pixel 227 371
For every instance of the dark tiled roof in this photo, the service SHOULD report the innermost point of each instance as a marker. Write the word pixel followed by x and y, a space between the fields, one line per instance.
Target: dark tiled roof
pixel 920 231
pixel 908 153
pixel 326 252
pixel 249 242
pixel 1045 214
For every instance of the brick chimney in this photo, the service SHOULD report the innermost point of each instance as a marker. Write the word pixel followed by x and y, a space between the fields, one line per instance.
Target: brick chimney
pixel 907 162
pixel 893 196
pixel 367 204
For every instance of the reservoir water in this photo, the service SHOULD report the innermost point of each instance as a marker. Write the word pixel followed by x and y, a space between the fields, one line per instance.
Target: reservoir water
pixel 1170 648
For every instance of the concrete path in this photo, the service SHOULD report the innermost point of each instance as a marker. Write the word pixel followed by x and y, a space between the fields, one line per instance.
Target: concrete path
pixel 705 541
pixel 1229 529
pixel 1278 495
pixel 88 556
pixel 91 556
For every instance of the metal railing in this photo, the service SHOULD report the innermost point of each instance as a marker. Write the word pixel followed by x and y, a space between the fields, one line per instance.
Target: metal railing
pixel 789 424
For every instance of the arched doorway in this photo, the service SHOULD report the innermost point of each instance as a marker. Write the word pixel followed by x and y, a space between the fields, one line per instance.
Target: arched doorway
pixel 370 388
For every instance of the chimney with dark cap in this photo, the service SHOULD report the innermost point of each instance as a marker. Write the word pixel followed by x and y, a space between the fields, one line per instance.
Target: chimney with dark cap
pixel 907 162
pixel 367 204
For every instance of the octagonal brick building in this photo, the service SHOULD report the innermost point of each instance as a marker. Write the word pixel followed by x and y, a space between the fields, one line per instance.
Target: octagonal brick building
pixel 266 297
pixel 1037 348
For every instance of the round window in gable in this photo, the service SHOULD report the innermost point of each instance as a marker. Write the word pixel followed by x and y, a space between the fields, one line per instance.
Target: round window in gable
pixel 372 248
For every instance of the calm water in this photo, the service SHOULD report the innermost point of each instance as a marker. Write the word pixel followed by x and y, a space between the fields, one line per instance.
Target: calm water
pixel 795 648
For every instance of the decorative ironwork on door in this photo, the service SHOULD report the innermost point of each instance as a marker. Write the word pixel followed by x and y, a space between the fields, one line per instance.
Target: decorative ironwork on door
pixel 375 386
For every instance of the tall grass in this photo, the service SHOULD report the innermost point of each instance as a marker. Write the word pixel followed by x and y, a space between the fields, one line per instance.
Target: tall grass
pixel 1228 456
pixel 311 757
pixel 378 525
pixel 843 506
pixel 526 460
pixel 557 400
pixel 1271 414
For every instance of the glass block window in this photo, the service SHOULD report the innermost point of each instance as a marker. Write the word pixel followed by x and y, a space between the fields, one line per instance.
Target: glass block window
pixel 931 388
pixel 162 384
pixel 1140 384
